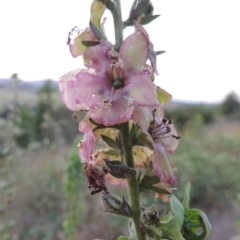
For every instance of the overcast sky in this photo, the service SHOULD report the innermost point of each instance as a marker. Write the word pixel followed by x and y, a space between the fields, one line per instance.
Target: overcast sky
pixel 201 37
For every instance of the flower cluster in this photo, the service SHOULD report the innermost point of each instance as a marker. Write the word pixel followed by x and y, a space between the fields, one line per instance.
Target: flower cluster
pixel 117 87
pixel 124 127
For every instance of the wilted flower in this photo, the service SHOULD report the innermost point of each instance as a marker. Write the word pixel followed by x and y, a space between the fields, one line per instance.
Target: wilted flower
pixel 77 48
pixel 93 161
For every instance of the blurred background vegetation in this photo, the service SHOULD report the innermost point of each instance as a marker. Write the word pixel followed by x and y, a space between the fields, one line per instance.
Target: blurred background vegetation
pixel 43 191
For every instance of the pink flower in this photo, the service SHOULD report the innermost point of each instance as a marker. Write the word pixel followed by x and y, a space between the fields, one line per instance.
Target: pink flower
pixel 165 140
pixel 113 84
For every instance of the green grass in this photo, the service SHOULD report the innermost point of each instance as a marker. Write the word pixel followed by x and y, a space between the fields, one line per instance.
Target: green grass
pixel 209 159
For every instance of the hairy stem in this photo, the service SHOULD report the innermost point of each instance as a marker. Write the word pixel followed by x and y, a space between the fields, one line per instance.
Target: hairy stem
pixel 133 189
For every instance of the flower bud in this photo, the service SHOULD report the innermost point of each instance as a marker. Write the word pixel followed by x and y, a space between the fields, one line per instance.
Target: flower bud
pixel 115 205
pixel 150 216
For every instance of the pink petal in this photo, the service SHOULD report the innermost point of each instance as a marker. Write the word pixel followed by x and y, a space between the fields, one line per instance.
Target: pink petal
pixel 162 167
pixel 121 103
pixel 85 147
pixel 97 57
pixel 169 142
pixel 116 181
pixel 134 51
pixel 68 91
pixel 85 125
pixel 81 90
pixel 113 113
pixel 139 87
pixel 142 116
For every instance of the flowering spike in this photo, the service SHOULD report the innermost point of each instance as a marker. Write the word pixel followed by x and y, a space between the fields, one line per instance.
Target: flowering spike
pixel 124 114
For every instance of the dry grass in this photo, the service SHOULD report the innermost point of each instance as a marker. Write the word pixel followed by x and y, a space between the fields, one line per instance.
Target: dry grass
pixel 28 98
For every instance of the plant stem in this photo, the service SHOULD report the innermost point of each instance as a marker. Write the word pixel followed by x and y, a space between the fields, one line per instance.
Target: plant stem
pixel 115 8
pixel 133 189
pixel 118 26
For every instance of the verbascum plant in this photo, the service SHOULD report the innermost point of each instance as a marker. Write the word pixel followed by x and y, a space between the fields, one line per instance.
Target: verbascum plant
pixel 124 128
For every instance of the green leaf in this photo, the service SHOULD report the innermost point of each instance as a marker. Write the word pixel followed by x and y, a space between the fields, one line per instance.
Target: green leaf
pixel 110 142
pixel 196 225
pixel 186 197
pixel 159 52
pixel 154 230
pixel 138 8
pixel 177 209
pixel 150 180
pixel 90 43
pixel 95 123
pixel 122 238
pixel 147 182
pixel 97 10
pixel 163 96
pixel 133 132
pixel 159 190
pixel 97 32
pixel 170 227
pixel 139 177
pixel 147 19
pixel 143 140
pixel 112 152
pixel 157 237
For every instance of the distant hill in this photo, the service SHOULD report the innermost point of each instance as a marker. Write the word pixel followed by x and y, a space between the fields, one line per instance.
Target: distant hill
pixel 33 86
